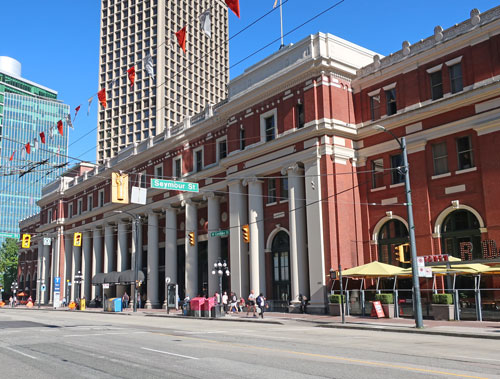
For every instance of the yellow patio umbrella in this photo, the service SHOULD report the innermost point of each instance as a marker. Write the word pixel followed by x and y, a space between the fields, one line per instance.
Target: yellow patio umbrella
pixel 492 270
pixel 373 270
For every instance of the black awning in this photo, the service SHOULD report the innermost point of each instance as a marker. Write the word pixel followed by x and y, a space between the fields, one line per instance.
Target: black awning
pixel 98 278
pixel 115 277
pixel 128 276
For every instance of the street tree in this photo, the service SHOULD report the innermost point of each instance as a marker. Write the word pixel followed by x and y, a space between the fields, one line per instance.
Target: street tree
pixel 8 262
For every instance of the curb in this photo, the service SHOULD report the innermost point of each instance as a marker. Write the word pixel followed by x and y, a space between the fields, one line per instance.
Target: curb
pixel 414 331
pixel 216 319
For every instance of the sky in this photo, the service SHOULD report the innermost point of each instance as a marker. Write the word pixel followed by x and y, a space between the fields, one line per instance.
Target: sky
pixel 57 41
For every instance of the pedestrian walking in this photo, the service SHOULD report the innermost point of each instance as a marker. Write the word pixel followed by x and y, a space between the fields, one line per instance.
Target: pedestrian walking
pixel 241 305
pixel 261 303
pixel 303 303
pixel 125 300
pixel 225 301
pixel 251 303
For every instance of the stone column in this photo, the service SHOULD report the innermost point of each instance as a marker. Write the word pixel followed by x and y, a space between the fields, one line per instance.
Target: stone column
pixel 68 266
pixel 96 260
pixel 121 256
pixel 170 247
pixel 298 236
pixel 213 242
pixel 87 266
pixel 317 273
pixel 109 248
pixel 46 273
pixel 191 251
pixel 152 274
pixel 76 266
pixel 53 268
pixel 256 246
pixel 238 249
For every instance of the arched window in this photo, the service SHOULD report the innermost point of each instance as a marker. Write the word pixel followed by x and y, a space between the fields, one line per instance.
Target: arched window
pixel 460 231
pixel 391 234
pixel 280 251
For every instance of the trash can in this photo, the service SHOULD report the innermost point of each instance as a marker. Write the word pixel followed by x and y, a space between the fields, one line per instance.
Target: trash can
pixel 186 309
pixel 196 304
pixel 216 311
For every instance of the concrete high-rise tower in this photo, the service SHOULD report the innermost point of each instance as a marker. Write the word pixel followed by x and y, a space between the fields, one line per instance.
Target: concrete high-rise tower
pixel 184 83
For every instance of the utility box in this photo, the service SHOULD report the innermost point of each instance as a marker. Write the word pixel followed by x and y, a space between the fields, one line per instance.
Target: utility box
pixel 196 306
pixel 207 307
pixel 113 304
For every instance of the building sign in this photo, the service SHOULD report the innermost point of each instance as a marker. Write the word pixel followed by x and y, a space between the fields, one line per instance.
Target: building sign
pixel 488 247
pixel 377 310
pixel 174 185
pixel 10 235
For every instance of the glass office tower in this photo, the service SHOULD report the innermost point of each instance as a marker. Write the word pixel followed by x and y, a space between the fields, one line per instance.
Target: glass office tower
pixel 26 110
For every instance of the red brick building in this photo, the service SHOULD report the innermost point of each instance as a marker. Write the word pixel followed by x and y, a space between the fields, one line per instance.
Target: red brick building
pixel 293 153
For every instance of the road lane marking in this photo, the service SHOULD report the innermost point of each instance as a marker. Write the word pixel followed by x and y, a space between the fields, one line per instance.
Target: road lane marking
pixel 330 357
pixel 20 352
pixel 166 352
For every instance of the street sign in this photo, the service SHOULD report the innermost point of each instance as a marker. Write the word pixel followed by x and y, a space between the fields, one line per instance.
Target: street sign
pixel 420 262
pixel 43 287
pixel 10 235
pixel 167 279
pixel 174 185
pixel 220 233
pixel 57 284
pixel 105 286
pixel 46 241
pixel 69 284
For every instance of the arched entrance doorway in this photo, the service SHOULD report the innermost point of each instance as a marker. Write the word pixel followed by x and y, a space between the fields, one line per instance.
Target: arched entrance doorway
pixel 280 252
pixel 460 230
pixel 391 234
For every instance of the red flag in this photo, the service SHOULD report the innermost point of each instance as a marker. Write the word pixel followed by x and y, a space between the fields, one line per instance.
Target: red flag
pixel 60 127
pixel 131 75
pixel 42 137
pixel 101 95
pixel 76 112
pixel 181 38
pixel 28 148
pixel 234 5
pixel 12 156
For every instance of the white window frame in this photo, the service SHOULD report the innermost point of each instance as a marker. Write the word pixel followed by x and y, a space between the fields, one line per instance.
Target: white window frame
pixel 100 195
pixel 79 206
pixel 143 177
pixel 263 117
pixel 70 210
pixel 90 202
pixel 177 159
pixel 196 169
pixel 158 167
pixel 218 141
pixel 49 216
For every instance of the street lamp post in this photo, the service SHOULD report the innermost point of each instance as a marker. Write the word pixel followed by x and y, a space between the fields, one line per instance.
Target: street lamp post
pixel 136 221
pixel 78 280
pixel 411 226
pixel 220 268
pixel 13 287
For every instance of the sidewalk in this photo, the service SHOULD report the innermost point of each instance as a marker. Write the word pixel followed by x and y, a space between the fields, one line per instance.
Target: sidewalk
pixel 470 329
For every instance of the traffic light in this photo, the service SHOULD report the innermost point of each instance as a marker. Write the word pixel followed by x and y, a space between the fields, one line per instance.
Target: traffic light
pixel 77 239
pixel 246 233
pixel 26 243
pixel 119 188
pixel 191 239
pixel 399 252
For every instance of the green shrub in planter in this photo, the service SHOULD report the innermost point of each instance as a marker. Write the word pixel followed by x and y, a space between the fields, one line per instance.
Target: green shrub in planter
pixel 385 298
pixel 442 298
pixel 335 299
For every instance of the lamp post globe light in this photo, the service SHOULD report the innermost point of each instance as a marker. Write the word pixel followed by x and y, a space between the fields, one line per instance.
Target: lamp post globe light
pixel 411 226
pixel 220 268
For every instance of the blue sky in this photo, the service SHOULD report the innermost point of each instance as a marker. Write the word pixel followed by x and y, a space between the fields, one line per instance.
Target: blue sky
pixel 57 41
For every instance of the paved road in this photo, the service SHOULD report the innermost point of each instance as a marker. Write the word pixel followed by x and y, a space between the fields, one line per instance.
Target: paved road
pixel 46 344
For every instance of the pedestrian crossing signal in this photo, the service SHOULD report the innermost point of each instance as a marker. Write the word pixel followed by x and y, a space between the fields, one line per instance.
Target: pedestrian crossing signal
pixel 246 233
pixel 77 239
pixel 26 242
pixel 191 239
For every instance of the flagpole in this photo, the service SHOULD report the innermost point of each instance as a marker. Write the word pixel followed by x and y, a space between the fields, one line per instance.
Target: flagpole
pixel 281 21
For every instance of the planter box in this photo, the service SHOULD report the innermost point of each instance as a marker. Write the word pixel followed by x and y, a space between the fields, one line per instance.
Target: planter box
pixel 443 312
pixel 388 310
pixel 334 309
